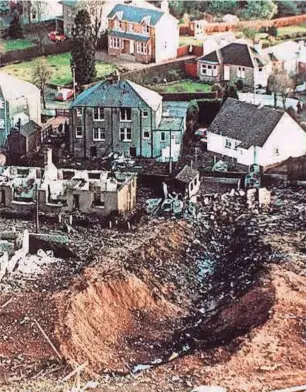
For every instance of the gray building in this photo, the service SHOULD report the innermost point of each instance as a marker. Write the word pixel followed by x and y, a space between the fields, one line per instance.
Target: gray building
pixel 19 100
pixel 123 117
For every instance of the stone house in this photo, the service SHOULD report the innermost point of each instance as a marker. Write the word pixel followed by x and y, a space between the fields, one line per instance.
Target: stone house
pixel 19 100
pixel 123 117
pixel 142 34
pixel 97 9
pixel 25 140
pixel 253 135
pixel 66 190
pixel 233 62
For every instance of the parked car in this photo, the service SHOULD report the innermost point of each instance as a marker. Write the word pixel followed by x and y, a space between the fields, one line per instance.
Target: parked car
pixel 202 134
pixel 55 36
pixel 64 94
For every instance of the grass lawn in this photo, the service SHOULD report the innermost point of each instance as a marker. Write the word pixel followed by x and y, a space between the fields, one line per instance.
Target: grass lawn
pixel 16 44
pixel 185 40
pixel 60 64
pixel 184 87
pixel 292 29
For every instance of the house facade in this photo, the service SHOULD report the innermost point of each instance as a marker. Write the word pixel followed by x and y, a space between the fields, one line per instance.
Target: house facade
pixel 123 117
pixel 19 101
pixel 25 140
pixel 143 34
pixel 97 9
pixel 66 190
pixel 255 135
pixel 233 62
pixel 36 11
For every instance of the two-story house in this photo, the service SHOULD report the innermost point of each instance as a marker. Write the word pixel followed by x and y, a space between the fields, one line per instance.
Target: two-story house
pixel 233 62
pixel 19 103
pixel 97 9
pixel 144 34
pixel 123 117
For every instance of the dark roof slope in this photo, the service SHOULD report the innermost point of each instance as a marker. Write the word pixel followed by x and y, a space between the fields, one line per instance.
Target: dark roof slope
pixel 236 53
pixel 187 174
pixel 29 128
pixel 245 122
pixel 136 14
pixel 70 3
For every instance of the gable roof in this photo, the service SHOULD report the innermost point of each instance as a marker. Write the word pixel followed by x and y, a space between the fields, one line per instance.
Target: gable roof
pixel 187 174
pixel 29 128
pixel 245 122
pixel 237 54
pixel 121 94
pixel 136 14
pixel 13 88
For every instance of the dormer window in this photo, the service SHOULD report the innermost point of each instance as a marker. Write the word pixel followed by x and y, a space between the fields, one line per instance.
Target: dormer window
pixel 131 27
pixel 146 29
pixel 116 24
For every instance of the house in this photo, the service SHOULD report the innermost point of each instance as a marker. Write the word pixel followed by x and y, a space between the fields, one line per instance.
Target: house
pixel 233 62
pixel 36 11
pixel 19 100
pixel 144 34
pixel 97 9
pixel 25 140
pixel 217 41
pixel 287 56
pixel 66 190
pixel 123 117
pixel 187 181
pixel 253 135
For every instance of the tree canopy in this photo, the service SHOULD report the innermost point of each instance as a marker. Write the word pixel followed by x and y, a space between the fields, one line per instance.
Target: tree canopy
pixel 264 9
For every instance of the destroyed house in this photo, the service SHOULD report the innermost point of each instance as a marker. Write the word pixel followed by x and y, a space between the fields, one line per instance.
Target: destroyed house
pixel 253 135
pixel 66 190
pixel 123 117
pixel 187 181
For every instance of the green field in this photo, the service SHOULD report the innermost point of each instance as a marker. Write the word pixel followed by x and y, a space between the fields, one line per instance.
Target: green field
pixel 16 44
pixel 189 41
pixel 60 65
pixel 292 29
pixel 184 87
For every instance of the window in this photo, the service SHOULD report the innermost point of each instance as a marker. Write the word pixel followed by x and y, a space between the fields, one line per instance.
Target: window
pixel 98 114
pixel 209 70
pixel 1 104
pixel 146 29
pixel 131 27
pixel 125 134
pixel 228 143
pixel 1 124
pixel 165 45
pixel 146 134
pixel 142 48
pixel 98 200
pixel 116 24
pixel 276 151
pixel 115 43
pixel 241 72
pixel 162 136
pixel 125 114
pixel 79 132
pixel 236 145
pixel 98 134
pixel 79 112
pixel 145 113
pixel 121 26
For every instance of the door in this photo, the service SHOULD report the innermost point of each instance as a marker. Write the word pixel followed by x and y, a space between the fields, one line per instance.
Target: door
pixel 2 198
pixel 133 151
pixel 226 72
pixel 131 47
pixel 126 47
pixel 76 201
pixel 93 151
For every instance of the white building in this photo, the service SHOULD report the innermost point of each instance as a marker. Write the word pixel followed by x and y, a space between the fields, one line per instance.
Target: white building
pixel 253 135
pixel 35 11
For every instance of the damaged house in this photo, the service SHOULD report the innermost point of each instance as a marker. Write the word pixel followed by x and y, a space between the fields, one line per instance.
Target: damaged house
pixel 66 190
pixel 253 135
pixel 123 117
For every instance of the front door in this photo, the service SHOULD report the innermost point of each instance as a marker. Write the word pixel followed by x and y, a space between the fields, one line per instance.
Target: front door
pixel 126 48
pixel 76 201
pixel 226 72
pixel 133 151
pixel 131 47
pixel 93 151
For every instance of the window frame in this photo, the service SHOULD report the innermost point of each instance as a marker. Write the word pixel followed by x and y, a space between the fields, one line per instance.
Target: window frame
pixel 79 112
pixel 241 72
pixel 125 117
pixel 77 136
pixel 142 48
pixel 228 143
pixel 145 111
pixel 101 131
pixel 124 132
pixel 100 110
pixel 146 29
pixel 162 139
pixel 116 43
pixel 146 137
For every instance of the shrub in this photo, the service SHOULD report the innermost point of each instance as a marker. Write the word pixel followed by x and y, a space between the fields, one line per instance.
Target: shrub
pixel 239 84
pixel 173 75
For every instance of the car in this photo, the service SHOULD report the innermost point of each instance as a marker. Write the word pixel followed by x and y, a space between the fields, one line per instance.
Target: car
pixel 64 94
pixel 56 36
pixel 202 134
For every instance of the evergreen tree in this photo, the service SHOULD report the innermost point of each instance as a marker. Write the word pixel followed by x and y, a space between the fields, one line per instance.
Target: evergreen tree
pixel 83 49
pixel 15 28
pixel 230 91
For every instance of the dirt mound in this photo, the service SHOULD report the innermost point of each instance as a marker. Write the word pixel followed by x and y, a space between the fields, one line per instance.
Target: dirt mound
pixel 112 323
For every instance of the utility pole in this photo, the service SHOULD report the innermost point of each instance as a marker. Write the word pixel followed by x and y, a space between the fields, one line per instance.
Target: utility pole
pixel 170 157
pixel 37 212
pixel 73 77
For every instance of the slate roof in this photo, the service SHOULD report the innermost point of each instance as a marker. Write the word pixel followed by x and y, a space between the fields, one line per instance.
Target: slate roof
pixel 187 174
pixel 70 3
pixel 126 35
pixel 29 128
pixel 122 94
pixel 245 122
pixel 237 54
pixel 136 14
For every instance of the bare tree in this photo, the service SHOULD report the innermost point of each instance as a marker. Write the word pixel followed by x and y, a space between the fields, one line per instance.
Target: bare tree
pixel 41 75
pixel 280 84
pixel 36 8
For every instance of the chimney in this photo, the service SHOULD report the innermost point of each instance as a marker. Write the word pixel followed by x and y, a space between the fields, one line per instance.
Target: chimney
pixel 165 6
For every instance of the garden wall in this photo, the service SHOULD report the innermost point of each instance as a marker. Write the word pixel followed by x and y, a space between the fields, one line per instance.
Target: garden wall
pixel 251 24
pixel 35 51
pixel 191 69
pixel 188 96
pixel 183 51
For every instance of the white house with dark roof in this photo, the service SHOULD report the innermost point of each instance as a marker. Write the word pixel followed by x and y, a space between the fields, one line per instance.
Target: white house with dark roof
pixel 19 100
pixel 142 34
pixel 233 62
pixel 253 135
pixel 123 117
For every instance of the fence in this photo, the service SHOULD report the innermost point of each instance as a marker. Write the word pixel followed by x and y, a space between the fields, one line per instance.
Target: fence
pixel 183 51
pixel 188 96
pixel 191 69
pixel 35 51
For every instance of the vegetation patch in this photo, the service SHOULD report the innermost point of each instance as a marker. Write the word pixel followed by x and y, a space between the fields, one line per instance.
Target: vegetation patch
pixel 61 71
pixel 188 86
pixel 190 41
pixel 288 30
pixel 17 44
